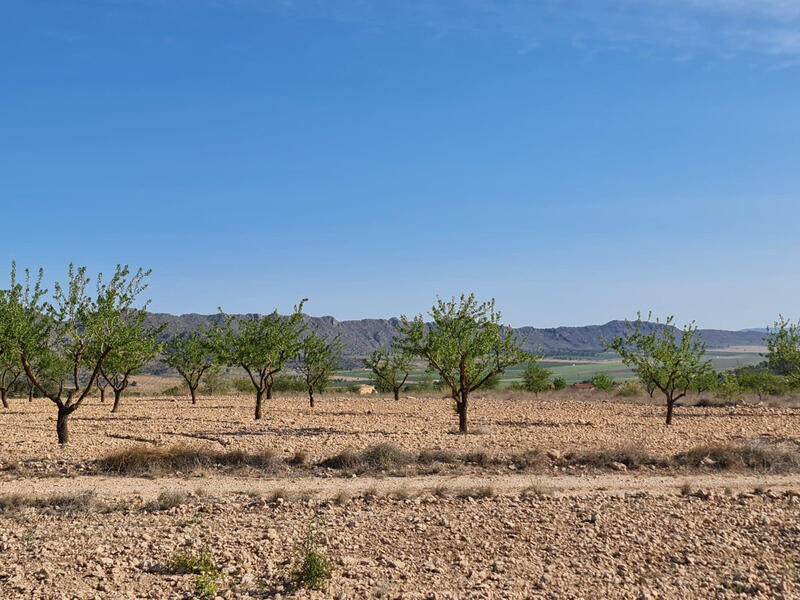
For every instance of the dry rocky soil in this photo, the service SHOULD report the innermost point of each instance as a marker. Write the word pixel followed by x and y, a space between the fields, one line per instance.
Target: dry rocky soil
pixel 70 527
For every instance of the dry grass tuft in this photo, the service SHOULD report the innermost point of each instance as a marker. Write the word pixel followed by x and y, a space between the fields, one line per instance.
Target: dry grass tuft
pixel 380 457
pixel 741 457
pixel 168 499
pixel 147 460
pixel 631 457
pixel 75 502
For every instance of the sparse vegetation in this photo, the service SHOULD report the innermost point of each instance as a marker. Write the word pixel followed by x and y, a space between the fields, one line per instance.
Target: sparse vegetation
pixel 602 382
pixel 316 360
pixel 661 361
pixel 191 356
pixel 466 345
pixel 261 345
pixel 390 369
pixel 535 378
pixel 63 343
pixel 311 569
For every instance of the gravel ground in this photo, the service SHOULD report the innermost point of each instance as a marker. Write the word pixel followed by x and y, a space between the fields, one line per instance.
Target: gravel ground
pixel 573 536
pixel 603 545
pixel 504 423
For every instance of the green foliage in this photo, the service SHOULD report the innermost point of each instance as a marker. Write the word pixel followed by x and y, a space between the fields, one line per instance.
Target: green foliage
pixel 242 384
pixel 191 355
pixel 62 343
pixel 139 346
pixel 261 345
pixel 783 347
pixel 728 388
pixel 311 569
pixel 289 383
pixel 535 378
pixel 660 360
pixel 492 383
pixel 206 585
pixel 762 381
pixel 390 369
pixel 559 383
pixel 214 381
pixel 186 562
pixel 316 362
pixel 426 383
pixel 176 390
pixel 602 381
pixel 704 382
pixel 466 345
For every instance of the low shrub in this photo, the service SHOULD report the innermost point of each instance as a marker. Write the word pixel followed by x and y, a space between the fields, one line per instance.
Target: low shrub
pixel 138 460
pixel 169 499
pixel 743 457
pixel 311 569
pixel 380 457
pixel 629 389
pixel 602 382
pixel 185 562
pixel 76 502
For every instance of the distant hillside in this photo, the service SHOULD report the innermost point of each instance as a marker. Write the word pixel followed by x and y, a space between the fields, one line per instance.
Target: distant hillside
pixel 359 338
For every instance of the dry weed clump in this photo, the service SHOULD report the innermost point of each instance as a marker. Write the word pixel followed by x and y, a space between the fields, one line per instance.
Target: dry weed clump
pixel 614 459
pixel 760 458
pixel 74 502
pixel 380 457
pixel 155 461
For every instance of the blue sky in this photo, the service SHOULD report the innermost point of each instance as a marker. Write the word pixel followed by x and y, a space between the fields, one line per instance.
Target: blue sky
pixel 577 160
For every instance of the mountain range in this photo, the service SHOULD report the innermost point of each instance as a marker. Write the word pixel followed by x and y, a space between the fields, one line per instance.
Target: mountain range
pixel 360 337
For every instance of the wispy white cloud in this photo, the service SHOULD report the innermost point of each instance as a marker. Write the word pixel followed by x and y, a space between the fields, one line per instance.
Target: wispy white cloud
pixel 686 28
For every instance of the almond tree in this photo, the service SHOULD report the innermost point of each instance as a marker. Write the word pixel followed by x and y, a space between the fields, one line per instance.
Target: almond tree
pixel 390 369
pixel 316 361
pixel 140 346
pixel 783 347
pixel 261 345
pixel 466 344
pixel 191 355
pixel 62 343
pixel 661 360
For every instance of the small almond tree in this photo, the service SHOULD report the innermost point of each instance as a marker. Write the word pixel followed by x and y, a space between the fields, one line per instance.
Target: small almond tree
pixel 261 345
pixel 661 360
pixel 466 344
pixel 783 347
pixel 316 362
pixel 535 378
pixel 191 355
pixel 390 369
pixel 63 343
pixel 140 347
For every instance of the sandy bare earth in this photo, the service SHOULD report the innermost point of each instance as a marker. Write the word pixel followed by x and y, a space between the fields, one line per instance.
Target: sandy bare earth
pixel 471 534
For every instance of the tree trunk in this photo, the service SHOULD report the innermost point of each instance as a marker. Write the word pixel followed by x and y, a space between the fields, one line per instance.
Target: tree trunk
pixel 103 395
pixel 462 414
pixel 30 394
pixel 61 425
pixel 269 392
pixel 259 399
pixel 397 393
pixel 311 397
pixel 192 391
pixel 670 403
pixel 117 396
pixel 3 396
